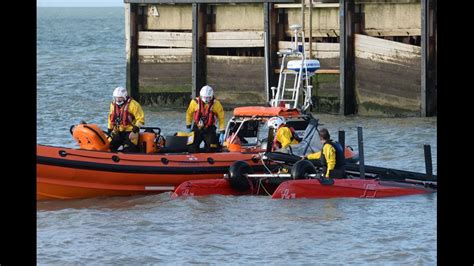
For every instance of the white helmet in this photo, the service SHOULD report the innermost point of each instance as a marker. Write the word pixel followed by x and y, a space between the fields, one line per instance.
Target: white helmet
pixel 120 92
pixel 275 122
pixel 206 93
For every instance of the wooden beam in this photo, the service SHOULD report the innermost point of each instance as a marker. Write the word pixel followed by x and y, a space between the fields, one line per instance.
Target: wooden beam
pixel 234 43
pixel 385 51
pixel 319 46
pixel 393 32
pixel 347 58
pixel 199 48
pixel 319 50
pixel 166 55
pixel 164 51
pixel 315 5
pixel 319 71
pixel 235 35
pixel 203 1
pixel 235 39
pixel 165 39
pixel 387 1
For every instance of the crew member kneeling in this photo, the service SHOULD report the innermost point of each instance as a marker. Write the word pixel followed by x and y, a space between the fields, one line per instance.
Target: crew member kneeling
pixel 203 111
pixel 125 119
pixel 332 157
pixel 284 135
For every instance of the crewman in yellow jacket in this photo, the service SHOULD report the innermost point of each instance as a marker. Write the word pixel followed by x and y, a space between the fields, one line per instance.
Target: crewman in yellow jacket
pixel 332 157
pixel 201 119
pixel 284 135
pixel 125 119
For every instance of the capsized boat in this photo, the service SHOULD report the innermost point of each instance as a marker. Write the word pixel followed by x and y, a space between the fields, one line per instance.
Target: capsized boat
pixel 306 188
pixel 303 181
pixel 163 163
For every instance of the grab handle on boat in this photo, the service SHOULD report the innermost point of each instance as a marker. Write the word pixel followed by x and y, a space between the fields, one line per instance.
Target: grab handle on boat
pixel 428 161
pixel 150 129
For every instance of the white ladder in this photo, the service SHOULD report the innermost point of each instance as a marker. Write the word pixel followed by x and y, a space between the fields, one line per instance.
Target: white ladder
pixel 289 96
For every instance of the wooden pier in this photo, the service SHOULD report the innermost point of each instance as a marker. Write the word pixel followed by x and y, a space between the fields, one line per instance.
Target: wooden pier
pixel 378 57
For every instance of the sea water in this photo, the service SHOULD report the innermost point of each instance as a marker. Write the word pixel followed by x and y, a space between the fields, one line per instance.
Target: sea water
pixel 81 59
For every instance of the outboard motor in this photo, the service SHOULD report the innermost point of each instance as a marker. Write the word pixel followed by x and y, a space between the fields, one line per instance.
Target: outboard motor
pixel 90 137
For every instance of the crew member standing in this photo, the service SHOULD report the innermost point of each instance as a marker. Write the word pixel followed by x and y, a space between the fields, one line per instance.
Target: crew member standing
pixel 201 117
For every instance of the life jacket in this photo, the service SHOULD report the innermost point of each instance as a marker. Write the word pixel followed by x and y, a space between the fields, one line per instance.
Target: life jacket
pixel 294 135
pixel 121 115
pixel 340 160
pixel 204 114
pixel 277 144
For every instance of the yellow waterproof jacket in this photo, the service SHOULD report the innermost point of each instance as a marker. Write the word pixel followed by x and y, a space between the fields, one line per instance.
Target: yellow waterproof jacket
pixel 216 109
pixel 136 112
pixel 330 155
pixel 284 137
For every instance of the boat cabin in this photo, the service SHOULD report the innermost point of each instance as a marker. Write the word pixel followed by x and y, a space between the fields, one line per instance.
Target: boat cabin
pixel 249 124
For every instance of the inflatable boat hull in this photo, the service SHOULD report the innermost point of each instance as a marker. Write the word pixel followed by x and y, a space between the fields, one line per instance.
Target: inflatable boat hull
pixel 308 188
pixel 65 173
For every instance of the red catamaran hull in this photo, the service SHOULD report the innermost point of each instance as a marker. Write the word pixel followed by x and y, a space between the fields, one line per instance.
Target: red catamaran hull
pixel 308 188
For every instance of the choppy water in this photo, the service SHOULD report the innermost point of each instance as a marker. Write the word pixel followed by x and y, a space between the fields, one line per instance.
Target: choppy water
pixel 81 58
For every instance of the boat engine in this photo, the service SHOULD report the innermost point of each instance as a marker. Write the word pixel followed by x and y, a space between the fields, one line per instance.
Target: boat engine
pixel 90 137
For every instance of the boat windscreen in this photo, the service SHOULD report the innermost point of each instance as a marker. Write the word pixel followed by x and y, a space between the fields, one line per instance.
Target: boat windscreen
pixel 248 131
pixel 310 142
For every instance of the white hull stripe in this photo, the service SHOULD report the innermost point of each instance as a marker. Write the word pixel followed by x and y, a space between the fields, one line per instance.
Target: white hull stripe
pixel 164 188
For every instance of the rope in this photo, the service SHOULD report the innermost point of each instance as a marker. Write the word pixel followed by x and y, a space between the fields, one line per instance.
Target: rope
pixel 159 160
pixel 260 184
pixel 264 165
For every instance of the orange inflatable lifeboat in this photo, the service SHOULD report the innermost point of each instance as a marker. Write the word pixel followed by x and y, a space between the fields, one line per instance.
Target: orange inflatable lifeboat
pixel 160 166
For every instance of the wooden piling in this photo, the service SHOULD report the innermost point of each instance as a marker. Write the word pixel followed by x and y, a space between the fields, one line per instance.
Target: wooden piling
pixel 347 58
pixel 131 34
pixel 271 48
pixel 428 54
pixel 199 48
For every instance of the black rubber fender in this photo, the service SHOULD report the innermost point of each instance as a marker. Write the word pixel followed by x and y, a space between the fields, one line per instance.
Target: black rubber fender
pixel 301 169
pixel 237 178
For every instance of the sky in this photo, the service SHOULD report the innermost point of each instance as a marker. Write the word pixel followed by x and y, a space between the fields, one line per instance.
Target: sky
pixel 69 3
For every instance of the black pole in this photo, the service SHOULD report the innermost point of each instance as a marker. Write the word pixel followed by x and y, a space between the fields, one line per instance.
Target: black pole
pixel 428 161
pixel 199 48
pixel 270 139
pixel 271 57
pixel 342 139
pixel 360 141
pixel 133 65
pixel 428 57
pixel 347 57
